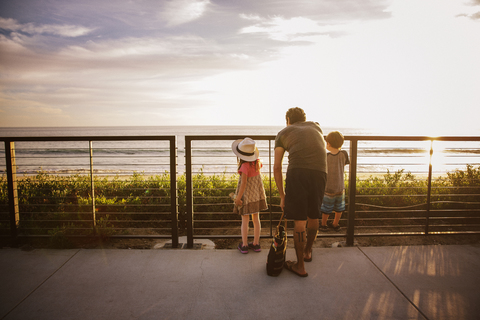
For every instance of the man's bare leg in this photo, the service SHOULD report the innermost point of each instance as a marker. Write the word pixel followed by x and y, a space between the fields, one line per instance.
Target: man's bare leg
pixel 299 239
pixel 312 227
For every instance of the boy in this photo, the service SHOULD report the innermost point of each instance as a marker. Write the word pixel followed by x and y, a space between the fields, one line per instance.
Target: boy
pixel 334 198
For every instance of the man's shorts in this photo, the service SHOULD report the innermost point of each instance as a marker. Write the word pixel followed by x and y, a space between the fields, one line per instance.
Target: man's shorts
pixel 332 204
pixel 304 190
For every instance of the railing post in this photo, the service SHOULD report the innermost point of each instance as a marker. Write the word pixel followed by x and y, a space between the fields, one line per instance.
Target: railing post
pixel 92 189
pixel 189 191
pixel 270 182
pixel 12 188
pixel 352 191
pixel 174 191
pixel 429 191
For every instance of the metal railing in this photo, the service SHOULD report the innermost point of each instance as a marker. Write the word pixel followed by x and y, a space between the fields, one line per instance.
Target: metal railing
pixel 91 186
pixel 411 179
pixel 128 187
pixel 422 212
pixel 226 184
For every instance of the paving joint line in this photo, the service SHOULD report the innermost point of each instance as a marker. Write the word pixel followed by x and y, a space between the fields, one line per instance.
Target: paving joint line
pixel 390 280
pixel 28 295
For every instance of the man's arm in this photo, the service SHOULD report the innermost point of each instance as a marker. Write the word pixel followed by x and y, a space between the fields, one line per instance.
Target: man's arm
pixel 278 174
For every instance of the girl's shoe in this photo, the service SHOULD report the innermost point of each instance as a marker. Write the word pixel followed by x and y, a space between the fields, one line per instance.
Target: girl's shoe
pixel 323 228
pixel 242 249
pixel 255 248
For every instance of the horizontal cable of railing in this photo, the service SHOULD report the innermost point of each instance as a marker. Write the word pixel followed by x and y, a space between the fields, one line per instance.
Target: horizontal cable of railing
pixel 420 179
pixel 115 186
pixel 409 176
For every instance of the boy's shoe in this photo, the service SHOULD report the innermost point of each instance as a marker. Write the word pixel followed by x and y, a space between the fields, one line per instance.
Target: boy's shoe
pixel 255 248
pixel 330 225
pixel 323 228
pixel 242 249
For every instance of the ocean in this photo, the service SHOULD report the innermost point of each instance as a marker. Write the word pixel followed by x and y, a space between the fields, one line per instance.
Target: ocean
pixel 212 157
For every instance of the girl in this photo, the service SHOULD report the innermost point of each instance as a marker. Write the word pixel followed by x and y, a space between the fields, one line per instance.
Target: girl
pixel 250 194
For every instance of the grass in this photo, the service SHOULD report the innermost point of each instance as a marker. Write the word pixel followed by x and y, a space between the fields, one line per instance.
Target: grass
pixel 60 206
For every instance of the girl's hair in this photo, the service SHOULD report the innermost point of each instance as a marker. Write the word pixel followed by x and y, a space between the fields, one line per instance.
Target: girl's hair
pixel 255 163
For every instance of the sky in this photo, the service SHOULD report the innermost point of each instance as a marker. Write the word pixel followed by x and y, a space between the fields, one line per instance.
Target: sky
pixel 401 66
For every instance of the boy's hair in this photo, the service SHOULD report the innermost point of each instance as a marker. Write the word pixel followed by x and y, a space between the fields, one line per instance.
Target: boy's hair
pixel 336 139
pixel 296 115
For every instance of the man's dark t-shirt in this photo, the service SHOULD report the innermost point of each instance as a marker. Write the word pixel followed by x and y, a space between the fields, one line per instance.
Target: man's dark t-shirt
pixel 305 145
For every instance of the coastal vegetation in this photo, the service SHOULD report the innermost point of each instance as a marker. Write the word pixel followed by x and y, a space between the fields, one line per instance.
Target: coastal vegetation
pixel 61 206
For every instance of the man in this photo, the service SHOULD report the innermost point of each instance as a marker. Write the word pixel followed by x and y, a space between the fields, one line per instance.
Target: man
pixel 305 182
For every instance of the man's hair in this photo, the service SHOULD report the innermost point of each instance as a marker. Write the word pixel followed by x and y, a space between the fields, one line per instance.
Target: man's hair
pixel 336 139
pixel 296 115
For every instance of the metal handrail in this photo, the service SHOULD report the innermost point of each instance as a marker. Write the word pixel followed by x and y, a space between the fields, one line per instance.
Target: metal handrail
pixel 11 168
pixel 189 174
pixel 431 213
pixel 352 178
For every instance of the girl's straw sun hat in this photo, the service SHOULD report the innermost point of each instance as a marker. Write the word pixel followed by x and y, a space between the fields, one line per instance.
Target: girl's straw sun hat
pixel 245 149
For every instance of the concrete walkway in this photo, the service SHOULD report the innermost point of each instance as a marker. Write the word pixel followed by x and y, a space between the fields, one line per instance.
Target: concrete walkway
pixel 411 282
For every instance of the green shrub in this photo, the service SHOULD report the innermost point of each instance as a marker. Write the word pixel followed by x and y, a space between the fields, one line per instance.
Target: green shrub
pixel 49 203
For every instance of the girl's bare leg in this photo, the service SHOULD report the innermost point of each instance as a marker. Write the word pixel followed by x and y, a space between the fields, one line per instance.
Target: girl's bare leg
pixel 257 227
pixel 245 220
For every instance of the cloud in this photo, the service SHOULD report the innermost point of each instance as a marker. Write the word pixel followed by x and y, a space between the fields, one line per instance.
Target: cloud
pixel 250 17
pixel 325 11
pixel 257 29
pixel 115 74
pixel 146 57
pixel 30 28
pixel 303 21
pixel 44 110
pixel 475 16
pixel 278 28
pixel 71 58
pixel 183 11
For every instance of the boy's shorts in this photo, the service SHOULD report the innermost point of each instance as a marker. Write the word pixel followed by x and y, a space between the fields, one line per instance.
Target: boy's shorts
pixel 333 203
pixel 304 190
